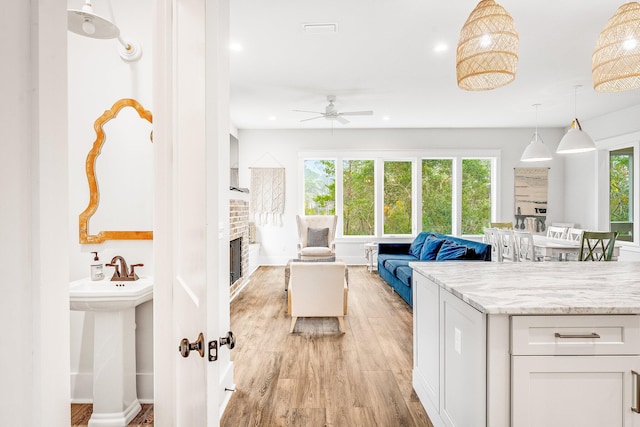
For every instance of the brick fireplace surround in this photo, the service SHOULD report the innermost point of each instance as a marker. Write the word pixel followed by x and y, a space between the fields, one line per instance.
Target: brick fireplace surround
pixel 239 228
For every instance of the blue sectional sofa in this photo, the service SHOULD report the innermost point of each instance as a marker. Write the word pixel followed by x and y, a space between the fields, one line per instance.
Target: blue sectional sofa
pixel 394 258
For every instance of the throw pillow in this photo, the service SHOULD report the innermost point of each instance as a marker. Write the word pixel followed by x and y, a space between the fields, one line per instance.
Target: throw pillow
pixel 416 245
pixel 451 251
pixel 430 248
pixel 318 237
pixel 471 254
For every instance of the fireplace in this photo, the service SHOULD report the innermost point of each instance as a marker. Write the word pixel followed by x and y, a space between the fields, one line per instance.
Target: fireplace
pixel 235 257
pixel 238 240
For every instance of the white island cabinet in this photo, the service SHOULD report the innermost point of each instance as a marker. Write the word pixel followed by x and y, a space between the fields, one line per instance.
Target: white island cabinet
pixel 525 345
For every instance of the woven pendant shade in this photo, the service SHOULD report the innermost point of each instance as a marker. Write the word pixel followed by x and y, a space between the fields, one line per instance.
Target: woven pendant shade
pixel 487 53
pixel 616 57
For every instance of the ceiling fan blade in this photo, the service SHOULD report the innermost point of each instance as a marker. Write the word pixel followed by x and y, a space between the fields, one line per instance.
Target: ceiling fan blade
pixel 307 111
pixel 342 120
pixel 312 118
pixel 357 113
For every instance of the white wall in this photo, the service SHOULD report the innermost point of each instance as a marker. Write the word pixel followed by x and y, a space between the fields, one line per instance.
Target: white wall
pixel 581 178
pixel 33 222
pixel 281 148
pixel 98 77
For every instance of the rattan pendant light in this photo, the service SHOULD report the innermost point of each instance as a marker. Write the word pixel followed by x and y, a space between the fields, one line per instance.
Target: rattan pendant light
pixel 616 57
pixel 487 54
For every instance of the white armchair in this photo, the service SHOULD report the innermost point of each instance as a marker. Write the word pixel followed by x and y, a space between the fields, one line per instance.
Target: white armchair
pixel 316 234
pixel 317 289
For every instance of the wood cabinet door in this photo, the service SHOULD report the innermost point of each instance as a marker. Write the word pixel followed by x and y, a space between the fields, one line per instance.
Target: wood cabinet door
pixel 562 391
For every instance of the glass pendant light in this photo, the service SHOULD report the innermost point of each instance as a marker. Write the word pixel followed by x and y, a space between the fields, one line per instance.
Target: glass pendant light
pixel 575 140
pixel 536 151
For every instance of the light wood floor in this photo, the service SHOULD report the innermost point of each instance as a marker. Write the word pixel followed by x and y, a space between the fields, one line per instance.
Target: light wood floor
pixel 80 414
pixel 316 376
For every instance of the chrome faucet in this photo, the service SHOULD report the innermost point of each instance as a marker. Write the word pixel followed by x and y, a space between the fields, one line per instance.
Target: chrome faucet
pixel 121 272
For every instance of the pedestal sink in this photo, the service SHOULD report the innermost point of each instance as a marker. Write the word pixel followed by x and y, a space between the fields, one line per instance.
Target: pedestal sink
pixel 115 399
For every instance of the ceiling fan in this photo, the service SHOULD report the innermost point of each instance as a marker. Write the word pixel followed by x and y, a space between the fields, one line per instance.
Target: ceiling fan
pixel 331 112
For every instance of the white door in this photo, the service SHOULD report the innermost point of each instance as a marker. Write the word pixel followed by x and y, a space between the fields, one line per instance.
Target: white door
pixel 191 133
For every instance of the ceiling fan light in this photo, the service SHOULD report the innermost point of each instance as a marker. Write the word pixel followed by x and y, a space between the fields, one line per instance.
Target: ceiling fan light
pixel 575 141
pixel 615 63
pixel 487 53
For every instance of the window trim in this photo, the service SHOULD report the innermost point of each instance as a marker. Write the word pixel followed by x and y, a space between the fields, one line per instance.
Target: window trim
pixel 605 147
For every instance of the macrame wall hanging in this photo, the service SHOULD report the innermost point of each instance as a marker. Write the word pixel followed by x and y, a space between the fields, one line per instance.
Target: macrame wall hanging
pixel 267 195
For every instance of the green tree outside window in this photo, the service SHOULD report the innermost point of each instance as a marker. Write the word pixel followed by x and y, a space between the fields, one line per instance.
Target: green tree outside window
pixel 358 198
pixel 319 187
pixel 397 197
pixel 476 195
pixel 437 176
pixel 621 193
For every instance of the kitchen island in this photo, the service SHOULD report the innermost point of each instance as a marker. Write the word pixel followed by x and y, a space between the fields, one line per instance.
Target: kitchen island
pixel 527 344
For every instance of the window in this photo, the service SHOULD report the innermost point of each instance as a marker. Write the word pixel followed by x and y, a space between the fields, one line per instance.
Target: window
pixel 621 193
pixel 397 197
pixel 476 195
pixel 437 197
pixel 387 193
pixel 358 198
pixel 319 187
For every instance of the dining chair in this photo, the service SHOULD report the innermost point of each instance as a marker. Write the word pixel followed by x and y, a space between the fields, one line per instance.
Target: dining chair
pixel 507 245
pixel 556 232
pixel 525 251
pixel 491 238
pixel 597 245
pixel 502 225
pixel 574 234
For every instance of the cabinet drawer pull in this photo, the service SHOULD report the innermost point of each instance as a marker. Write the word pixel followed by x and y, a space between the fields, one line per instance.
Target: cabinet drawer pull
pixel 636 391
pixel 591 335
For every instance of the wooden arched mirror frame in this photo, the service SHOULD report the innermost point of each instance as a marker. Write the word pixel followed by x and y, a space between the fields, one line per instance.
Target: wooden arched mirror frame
pixel 94 194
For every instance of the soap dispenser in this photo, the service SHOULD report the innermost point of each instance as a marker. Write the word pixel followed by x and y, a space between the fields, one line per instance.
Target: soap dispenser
pixel 96 268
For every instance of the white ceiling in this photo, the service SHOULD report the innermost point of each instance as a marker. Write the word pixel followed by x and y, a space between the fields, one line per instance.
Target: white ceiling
pixel 382 59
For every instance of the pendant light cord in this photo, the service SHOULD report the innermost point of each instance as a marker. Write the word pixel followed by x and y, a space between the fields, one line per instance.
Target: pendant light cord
pixel 575 105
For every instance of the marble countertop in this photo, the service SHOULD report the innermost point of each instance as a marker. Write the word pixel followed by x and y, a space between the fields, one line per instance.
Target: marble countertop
pixel 540 287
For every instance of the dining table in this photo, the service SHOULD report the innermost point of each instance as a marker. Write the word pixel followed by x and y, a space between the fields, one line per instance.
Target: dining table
pixel 549 248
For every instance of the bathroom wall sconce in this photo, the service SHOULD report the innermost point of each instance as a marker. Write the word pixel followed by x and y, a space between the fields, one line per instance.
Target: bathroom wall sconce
pixel 86 22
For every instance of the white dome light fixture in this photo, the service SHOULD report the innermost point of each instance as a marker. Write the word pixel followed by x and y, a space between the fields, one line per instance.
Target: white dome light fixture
pixel 536 151
pixel 86 22
pixel 575 140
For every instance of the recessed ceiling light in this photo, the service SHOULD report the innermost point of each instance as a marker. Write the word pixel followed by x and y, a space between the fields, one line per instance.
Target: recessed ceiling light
pixel 272 118
pixel 236 47
pixel 440 47
pixel 386 118
pixel 320 28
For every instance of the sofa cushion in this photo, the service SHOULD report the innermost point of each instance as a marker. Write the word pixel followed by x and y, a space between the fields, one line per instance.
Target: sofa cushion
pixel 404 274
pixel 451 251
pixel 393 264
pixel 430 248
pixel 482 250
pixel 318 237
pixel 416 245
pixel 382 258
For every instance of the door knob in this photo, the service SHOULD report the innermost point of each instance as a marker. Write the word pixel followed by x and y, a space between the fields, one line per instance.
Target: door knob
pixel 229 340
pixel 187 347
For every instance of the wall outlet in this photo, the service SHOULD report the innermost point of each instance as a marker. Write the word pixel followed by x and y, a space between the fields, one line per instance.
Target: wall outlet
pixel 457 340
